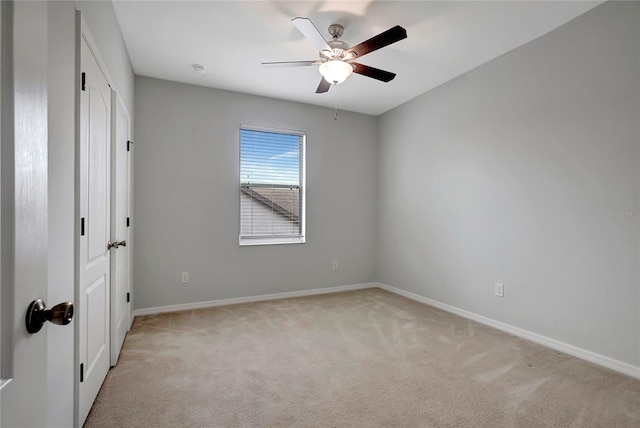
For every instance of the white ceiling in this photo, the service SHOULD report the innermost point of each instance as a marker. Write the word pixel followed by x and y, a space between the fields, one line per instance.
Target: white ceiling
pixel 231 39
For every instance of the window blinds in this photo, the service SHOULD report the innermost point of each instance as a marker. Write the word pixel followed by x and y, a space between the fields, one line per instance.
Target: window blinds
pixel 271 186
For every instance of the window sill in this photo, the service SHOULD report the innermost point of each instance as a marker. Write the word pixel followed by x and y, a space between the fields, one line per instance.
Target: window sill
pixel 270 241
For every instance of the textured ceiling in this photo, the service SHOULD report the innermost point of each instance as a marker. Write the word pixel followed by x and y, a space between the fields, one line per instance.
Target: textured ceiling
pixel 231 39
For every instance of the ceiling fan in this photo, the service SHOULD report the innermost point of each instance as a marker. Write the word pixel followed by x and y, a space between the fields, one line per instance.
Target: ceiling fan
pixel 337 58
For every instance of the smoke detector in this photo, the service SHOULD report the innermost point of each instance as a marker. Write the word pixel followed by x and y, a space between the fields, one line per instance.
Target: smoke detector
pixel 199 68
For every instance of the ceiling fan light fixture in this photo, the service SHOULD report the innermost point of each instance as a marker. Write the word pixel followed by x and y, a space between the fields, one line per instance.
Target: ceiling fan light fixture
pixel 335 71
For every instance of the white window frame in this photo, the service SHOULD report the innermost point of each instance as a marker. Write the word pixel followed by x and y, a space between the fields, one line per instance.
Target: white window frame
pixel 252 241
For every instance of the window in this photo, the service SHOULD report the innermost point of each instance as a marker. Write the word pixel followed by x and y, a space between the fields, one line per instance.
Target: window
pixel 272 191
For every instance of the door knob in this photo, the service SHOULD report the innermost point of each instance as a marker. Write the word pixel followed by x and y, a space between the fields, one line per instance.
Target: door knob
pixel 38 314
pixel 116 244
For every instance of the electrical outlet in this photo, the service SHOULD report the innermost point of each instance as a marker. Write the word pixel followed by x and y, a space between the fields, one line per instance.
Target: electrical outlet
pixel 184 278
pixel 334 265
pixel 498 289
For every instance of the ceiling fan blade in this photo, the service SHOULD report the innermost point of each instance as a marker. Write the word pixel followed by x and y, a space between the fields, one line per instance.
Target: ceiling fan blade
pixel 289 63
pixel 374 73
pixel 323 86
pixel 383 39
pixel 312 34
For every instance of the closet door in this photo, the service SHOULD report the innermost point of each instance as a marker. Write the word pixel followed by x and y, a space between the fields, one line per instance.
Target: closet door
pixel 94 248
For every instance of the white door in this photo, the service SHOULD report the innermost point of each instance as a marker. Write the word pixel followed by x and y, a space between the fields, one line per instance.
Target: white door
pixel 23 196
pixel 120 221
pixel 94 257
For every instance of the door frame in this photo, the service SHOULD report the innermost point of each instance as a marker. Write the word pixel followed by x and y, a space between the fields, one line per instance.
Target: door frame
pixel 3 301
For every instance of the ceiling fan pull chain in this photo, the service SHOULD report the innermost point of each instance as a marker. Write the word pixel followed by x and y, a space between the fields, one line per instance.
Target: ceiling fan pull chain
pixel 335 99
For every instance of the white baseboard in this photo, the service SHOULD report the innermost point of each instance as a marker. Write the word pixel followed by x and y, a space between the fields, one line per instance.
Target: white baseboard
pixel 566 348
pixel 238 300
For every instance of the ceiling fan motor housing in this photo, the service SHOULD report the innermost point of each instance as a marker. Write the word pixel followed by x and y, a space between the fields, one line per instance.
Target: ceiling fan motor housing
pixel 338 47
pixel 339 52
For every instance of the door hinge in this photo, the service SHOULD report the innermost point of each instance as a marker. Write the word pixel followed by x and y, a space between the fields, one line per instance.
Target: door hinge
pixel 84 81
pixel 128 221
pixel 82 226
pixel 128 297
pixel 82 372
pixel 129 144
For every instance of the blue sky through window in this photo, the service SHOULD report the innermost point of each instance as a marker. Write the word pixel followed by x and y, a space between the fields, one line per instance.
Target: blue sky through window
pixel 269 157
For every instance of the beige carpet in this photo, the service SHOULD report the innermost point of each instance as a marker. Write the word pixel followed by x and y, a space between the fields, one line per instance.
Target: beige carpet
pixel 366 358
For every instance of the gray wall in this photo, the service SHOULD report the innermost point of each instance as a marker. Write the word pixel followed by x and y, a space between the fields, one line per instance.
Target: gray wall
pixel 525 171
pixel 187 197
pixel 105 29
